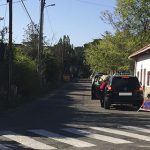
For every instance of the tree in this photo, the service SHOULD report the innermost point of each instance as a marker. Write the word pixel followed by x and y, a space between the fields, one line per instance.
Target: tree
pixel 134 14
pixel 80 68
pixel 111 53
pixel 131 15
pixel 51 68
pixel 24 71
pixel 2 34
pixel 63 52
pixel 30 41
pixel 131 21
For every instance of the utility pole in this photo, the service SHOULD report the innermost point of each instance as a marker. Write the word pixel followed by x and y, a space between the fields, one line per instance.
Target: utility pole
pixel 10 55
pixel 40 46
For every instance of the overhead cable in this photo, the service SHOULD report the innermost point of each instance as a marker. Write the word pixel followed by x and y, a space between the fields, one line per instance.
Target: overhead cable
pixel 13 2
pixel 31 19
pixel 53 37
pixel 93 3
pixel 29 15
pixel 5 16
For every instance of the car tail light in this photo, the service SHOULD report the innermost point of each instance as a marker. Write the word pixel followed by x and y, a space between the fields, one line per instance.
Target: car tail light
pixel 109 88
pixel 125 77
pixel 140 88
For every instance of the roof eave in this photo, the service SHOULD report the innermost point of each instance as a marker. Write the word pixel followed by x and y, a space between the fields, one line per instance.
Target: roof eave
pixel 140 52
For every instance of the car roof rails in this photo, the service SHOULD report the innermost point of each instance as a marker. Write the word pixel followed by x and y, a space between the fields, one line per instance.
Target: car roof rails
pixel 123 73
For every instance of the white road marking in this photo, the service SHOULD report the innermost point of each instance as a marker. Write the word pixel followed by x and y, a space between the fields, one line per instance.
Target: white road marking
pixel 136 129
pixel 2 147
pixel 143 146
pixel 147 125
pixel 124 133
pixel 25 140
pixel 96 136
pixel 62 138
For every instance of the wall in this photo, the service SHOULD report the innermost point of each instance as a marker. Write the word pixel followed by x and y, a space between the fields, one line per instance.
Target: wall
pixel 142 71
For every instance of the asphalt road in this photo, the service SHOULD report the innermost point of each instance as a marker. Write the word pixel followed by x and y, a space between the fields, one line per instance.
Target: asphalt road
pixel 67 119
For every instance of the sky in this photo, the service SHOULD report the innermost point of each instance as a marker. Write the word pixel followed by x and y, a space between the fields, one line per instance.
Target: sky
pixel 79 19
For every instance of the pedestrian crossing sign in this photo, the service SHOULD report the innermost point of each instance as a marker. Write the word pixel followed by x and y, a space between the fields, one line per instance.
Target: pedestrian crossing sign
pixel 145 106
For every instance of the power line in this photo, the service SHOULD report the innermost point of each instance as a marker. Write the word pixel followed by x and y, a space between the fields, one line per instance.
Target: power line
pixel 13 3
pixel 93 3
pixel 29 15
pixel 3 4
pixel 53 37
pixel 5 16
pixel 31 19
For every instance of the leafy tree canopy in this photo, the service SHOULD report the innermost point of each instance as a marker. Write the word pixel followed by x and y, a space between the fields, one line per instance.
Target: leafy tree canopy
pixel 131 21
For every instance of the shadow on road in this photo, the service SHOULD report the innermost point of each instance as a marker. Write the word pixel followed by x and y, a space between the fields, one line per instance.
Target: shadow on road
pixel 69 105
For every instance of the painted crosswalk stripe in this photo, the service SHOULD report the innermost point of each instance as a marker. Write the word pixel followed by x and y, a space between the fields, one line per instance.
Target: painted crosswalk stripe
pixel 96 136
pixel 136 129
pixel 2 147
pixel 124 133
pixel 62 138
pixel 27 141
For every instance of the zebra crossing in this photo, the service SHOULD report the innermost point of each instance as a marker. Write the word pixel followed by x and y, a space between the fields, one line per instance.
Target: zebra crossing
pixel 69 137
pixel 97 136
pixel 62 138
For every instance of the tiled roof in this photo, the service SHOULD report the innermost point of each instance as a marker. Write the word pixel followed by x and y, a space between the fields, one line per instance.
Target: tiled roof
pixel 140 51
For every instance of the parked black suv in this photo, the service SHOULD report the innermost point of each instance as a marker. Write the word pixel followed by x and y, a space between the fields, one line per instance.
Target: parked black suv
pixel 123 89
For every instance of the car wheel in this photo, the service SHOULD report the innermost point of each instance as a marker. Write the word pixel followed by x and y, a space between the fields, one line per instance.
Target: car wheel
pixel 107 103
pixel 102 103
pixel 138 106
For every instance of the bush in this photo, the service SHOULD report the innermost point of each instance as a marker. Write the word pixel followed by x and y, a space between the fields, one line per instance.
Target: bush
pixel 25 75
pixel 52 70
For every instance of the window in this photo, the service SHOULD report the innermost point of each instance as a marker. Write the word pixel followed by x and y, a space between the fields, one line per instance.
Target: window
pixel 148 78
pixel 138 74
pixel 130 83
pixel 144 77
pixel 141 75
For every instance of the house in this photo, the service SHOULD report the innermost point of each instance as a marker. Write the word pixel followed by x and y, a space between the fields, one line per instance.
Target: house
pixel 142 67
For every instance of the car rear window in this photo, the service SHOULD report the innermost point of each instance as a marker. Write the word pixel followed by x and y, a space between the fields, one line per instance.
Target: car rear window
pixel 125 83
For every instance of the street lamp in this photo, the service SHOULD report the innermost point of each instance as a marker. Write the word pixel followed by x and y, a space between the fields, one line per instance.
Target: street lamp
pixel 40 46
pixel 50 5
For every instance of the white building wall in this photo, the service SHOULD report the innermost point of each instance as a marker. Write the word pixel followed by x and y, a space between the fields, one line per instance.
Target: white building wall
pixel 143 62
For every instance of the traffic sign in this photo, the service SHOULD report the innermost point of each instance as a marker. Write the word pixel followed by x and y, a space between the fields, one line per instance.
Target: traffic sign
pixel 145 106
